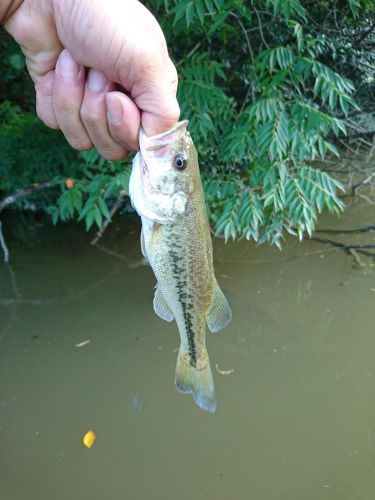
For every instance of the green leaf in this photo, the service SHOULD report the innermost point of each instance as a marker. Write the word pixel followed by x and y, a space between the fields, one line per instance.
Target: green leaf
pixel 200 10
pixel 103 208
pixel 189 13
pixel 97 216
pixel 219 21
pixel 89 219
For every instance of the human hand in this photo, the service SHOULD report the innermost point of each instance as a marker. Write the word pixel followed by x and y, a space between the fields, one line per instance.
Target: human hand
pixel 101 69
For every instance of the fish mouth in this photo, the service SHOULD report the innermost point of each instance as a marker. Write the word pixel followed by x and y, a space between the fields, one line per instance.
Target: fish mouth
pixel 181 124
pixel 158 141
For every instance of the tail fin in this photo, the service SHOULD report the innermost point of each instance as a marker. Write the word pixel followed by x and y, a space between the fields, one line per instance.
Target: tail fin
pixel 197 381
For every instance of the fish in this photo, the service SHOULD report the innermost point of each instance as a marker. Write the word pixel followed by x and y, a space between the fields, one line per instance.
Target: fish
pixel 166 190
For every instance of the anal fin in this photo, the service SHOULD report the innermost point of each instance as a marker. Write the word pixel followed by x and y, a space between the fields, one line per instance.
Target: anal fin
pixel 220 312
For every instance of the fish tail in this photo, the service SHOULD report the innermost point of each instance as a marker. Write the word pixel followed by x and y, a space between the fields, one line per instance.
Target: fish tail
pixel 191 378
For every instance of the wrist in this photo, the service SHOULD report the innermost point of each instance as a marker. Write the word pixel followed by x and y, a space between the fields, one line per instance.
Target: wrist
pixel 7 9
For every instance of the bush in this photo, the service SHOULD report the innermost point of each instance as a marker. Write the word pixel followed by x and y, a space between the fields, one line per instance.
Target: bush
pixel 257 84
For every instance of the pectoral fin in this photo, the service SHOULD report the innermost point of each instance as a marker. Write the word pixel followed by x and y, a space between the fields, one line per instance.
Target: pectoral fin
pixel 161 306
pixel 143 248
pixel 220 312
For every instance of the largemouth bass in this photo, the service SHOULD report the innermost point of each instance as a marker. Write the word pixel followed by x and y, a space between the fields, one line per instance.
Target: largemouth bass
pixel 166 190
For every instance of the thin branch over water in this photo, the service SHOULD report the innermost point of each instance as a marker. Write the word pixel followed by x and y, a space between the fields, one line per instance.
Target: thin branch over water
pixel 12 198
pixel 105 224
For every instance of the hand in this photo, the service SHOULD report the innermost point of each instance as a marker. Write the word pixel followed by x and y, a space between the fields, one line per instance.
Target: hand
pixel 101 68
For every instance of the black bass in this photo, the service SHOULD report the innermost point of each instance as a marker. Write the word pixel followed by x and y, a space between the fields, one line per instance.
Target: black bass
pixel 166 190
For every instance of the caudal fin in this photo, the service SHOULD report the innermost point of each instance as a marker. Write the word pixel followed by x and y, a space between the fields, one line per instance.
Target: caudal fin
pixel 197 381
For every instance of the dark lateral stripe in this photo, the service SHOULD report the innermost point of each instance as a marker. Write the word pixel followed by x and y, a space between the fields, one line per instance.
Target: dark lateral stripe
pixel 183 298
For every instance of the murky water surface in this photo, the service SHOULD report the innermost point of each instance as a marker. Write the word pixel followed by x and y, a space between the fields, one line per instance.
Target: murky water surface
pixel 295 418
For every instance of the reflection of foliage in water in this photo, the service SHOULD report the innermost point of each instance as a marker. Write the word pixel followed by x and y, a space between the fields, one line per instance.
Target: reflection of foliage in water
pixel 265 89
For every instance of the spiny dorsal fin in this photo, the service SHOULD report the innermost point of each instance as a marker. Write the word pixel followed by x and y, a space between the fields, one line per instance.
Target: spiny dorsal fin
pixel 220 312
pixel 161 306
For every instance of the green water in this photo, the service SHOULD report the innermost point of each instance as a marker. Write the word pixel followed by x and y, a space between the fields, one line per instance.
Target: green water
pixel 295 417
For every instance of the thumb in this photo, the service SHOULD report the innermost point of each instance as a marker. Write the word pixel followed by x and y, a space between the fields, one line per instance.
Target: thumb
pixel 157 101
pixel 154 124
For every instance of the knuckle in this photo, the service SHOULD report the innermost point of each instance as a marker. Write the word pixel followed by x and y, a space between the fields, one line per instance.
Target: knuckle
pixel 175 112
pixel 112 154
pixel 80 143
pixel 62 103
pixel 90 117
pixel 126 142
pixel 173 76
pixel 47 118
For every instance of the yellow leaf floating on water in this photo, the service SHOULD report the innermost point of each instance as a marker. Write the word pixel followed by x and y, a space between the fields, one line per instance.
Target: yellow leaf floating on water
pixel 89 439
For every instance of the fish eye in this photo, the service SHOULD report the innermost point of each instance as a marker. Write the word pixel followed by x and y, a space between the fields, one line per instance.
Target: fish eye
pixel 180 162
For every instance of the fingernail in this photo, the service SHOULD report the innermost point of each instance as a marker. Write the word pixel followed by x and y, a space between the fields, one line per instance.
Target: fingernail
pixel 67 66
pixel 96 81
pixel 114 108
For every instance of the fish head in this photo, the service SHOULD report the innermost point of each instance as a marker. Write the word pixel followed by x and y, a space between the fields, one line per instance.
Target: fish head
pixel 163 172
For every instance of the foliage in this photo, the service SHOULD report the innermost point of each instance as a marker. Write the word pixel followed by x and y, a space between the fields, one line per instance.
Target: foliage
pixel 30 152
pixel 96 183
pixel 15 84
pixel 281 106
pixel 265 86
pixel 102 183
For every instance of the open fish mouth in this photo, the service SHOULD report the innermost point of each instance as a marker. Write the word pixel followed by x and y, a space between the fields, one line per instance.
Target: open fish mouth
pixel 163 139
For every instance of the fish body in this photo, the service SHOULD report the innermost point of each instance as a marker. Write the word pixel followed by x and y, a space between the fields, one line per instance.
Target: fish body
pixel 166 190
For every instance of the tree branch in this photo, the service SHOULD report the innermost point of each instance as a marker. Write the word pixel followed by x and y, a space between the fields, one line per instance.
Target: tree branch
pixel 260 29
pixel 113 210
pixel 363 249
pixel 4 245
pixel 364 229
pixel 251 86
pixel 21 193
pixel 364 35
pixel 8 200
